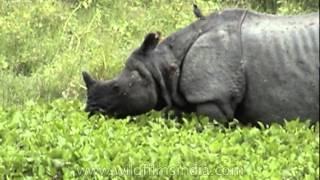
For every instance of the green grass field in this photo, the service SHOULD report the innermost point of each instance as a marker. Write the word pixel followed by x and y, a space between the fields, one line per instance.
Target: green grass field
pixel 44 133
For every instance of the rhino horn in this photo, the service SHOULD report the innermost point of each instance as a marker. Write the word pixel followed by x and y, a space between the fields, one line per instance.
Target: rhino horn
pixel 89 81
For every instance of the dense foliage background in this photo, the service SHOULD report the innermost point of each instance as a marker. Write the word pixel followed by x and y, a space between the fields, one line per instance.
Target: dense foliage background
pixel 44 46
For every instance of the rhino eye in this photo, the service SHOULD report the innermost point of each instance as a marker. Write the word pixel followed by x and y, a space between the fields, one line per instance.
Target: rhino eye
pixel 115 87
pixel 124 93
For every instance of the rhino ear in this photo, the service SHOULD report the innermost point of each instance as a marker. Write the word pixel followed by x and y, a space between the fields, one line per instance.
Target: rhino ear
pixel 151 40
pixel 89 81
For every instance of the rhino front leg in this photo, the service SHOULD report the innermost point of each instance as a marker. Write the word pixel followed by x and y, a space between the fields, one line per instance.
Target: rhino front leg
pixel 222 114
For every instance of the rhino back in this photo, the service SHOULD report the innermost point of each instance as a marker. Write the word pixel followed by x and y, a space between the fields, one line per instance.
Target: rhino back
pixel 281 56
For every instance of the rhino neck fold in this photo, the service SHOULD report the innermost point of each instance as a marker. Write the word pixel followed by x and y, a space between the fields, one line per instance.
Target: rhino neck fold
pixel 178 45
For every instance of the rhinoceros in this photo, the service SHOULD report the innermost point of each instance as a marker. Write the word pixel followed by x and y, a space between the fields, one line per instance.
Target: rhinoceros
pixel 233 64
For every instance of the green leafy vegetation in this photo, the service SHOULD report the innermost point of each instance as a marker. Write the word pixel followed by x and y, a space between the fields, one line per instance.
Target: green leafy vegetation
pixel 44 133
pixel 57 140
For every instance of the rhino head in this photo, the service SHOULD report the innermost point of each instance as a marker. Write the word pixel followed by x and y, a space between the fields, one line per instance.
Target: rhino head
pixel 134 91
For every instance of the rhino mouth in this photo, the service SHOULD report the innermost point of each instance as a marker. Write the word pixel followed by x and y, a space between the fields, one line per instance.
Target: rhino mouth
pixel 107 112
pixel 92 109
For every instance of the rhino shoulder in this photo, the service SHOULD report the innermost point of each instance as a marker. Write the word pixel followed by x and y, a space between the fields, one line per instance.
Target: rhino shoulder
pixel 213 70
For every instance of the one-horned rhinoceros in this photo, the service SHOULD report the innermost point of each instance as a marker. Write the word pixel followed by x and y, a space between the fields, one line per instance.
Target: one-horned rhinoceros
pixel 234 64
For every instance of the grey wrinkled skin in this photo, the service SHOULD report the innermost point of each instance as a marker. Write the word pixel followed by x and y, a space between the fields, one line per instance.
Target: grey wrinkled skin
pixel 232 64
